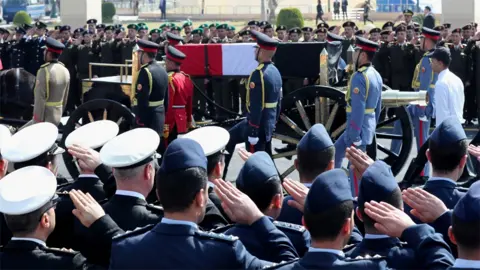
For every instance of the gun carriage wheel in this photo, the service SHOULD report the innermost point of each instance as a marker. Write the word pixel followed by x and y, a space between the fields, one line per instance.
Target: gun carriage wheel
pixel 98 109
pixel 326 105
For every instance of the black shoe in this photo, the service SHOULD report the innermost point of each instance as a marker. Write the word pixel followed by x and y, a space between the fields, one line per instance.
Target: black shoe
pixel 288 148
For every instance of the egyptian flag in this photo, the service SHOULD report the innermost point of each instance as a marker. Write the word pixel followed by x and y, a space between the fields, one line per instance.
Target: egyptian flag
pixel 236 59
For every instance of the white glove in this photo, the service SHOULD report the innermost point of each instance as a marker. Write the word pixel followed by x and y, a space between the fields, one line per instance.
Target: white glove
pixel 357 143
pixel 252 140
pixel 423 118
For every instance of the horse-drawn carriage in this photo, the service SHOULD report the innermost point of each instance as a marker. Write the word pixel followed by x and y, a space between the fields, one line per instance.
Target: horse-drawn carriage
pixel 324 102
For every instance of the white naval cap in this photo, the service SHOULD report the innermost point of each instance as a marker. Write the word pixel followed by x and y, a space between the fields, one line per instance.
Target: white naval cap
pixel 5 135
pixel 212 139
pixel 26 190
pixel 93 135
pixel 31 142
pixel 131 149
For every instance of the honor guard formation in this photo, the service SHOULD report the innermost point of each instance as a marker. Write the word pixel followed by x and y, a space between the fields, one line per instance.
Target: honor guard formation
pixel 154 196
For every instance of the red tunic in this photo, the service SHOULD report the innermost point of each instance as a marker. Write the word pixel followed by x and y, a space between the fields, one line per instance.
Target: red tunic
pixel 180 95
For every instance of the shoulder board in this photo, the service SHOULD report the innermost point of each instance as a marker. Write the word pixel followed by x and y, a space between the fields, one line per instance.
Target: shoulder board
pixel 362 69
pixel 260 67
pixel 223 229
pixel 462 189
pixel 154 208
pixel 349 247
pixel 64 252
pixel 137 231
pixel 366 257
pixel 216 236
pixel 289 226
pixel 281 264
pixel 62 193
pixel 45 65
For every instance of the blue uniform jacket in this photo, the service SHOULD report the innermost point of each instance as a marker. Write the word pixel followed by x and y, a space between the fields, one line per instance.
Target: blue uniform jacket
pixel 364 103
pixel 264 93
pixel 431 250
pixel 424 79
pixel 296 234
pixel 177 246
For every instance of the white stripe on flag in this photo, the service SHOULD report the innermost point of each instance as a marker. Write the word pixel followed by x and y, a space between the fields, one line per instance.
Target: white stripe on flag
pixel 238 59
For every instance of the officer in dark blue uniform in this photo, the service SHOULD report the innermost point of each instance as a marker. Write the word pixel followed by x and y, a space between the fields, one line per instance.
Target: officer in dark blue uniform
pixel 264 93
pixel 259 179
pixel 328 215
pixel 364 103
pixel 448 154
pixel 35 49
pixel 378 184
pixel 151 89
pixel 176 242
pixel 18 49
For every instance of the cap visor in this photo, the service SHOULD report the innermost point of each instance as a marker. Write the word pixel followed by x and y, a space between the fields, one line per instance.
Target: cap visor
pixel 58 151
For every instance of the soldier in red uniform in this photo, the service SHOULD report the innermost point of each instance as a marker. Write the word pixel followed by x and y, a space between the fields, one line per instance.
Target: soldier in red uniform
pixel 180 93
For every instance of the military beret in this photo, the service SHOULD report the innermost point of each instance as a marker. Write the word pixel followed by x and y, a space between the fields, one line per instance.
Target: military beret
pixel 408 12
pixel 457 30
pixel 223 26
pixel 316 139
pixel 245 32
pixel 93 135
pixel 375 30
pixel 20 30
pixel 474 24
pixel 385 32
pixel 119 30
pixel 387 24
pixel 141 24
pixel 27 190
pixel 21 147
pixel 174 55
pixel 147 46
pixel 322 25
pixel 430 34
pixel 176 28
pixel 131 149
pixel 118 26
pixel 377 183
pixel 101 26
pixel 65 28
pixel 417 30
pixel 92 21
pixel 268 26
pixel 366 45
pixel 165 25
pixel 360 33
pixel 400 28
pixel 109 28
pixel 215 25
pixel 447 25
pixel 257 171
pixel 27 26
pixel 78 30
pixel 328 190
pixel 203 26
pixel 57 27
pixel 263 23
pixel 173 39
pixel 187 23
pixel 321 30
pixel 348 24
pixel 450 131
pixel 467 208
pixel 439 28
pixel 232 28
pixel 467 27
pixel 280 27
pixel 264 42
pixel 295 30
pixel 212 139
pixel 410 27
pixel 252 23
pixel 307 29
pixel 40 25
pixel 5 135
pixel 416 24
pixel 183 153
pixel 155 31
pixel 198 31
pixel 132 26
pixel 142 27
pixel 87 32
pixel 331 37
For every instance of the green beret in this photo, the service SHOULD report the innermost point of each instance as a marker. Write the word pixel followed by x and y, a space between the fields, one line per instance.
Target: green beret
pixel 172 25
pixel 214 25
pixel 142 26
pixel 222 26
pixel 203 26
pixel 176 28
pixel 165 25
pixel 132 26
pixel 231 28
pixel 155 31
pixel 187 23
pixel 198 31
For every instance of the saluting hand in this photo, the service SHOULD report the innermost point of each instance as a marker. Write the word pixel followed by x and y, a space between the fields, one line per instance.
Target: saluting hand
pixel 298 191
pixel 238 206
pixel 474 151
pixel 87 158
pixel 244 154
pixel 359 161
pixel 426 207
pixel 388 219
pixel 87 209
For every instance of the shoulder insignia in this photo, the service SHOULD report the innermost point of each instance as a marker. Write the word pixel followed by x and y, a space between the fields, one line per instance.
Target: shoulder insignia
pixel 423 69
pixel 216 236
pixel 139 87
pixel 362 69
pixel 137 231
pixel 223 229
pixel 280 264
pixel 366 257
pixel 349 247
pixel 462 189
pixel 260 67
pixel 62 251
pixel 289 226
pixel 252 85
pixel 356 90
pixel 155 208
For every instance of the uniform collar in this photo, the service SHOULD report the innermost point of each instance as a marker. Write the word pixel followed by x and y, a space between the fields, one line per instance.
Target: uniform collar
pixel 87 176
pixel 179 222
pixel 376 236
pixel 431 179
pixel 38 241
pixel 442 73
pixel 130 193
pixel 462 263
pixel 365 65
pixel 327 250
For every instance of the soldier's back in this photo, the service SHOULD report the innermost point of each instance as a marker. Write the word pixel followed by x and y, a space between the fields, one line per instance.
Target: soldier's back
pixel 57 90
pixel 327 260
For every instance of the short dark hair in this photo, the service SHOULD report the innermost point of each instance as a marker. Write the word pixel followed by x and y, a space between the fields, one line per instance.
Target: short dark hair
pixel 370 55
pixel 151 55
pixel 263 194
pixel 213 160
pixel 26 223
pixel 327 225
pixel 313 163
pixel 428 8
pixel 178 189
pixel 467 234
pixel 41 160
pixel 395 200
pixel 445 159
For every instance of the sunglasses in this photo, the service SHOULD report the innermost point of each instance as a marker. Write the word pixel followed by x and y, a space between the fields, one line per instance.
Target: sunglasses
pixel 52 204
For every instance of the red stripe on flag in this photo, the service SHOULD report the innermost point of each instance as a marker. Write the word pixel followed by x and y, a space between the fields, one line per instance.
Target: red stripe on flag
pixel 194 64
pixel 215 56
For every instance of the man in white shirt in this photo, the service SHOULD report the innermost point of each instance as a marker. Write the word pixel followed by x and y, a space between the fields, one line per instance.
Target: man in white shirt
pixel 449 90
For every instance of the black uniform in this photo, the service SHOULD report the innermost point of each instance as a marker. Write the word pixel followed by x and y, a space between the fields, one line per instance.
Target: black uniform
pixel 461 63
pixel 34 54
pixel 381 62
pixel 107 56
pixel 151 93
pixel 402 63
pixel 17 52
pixel 69 59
